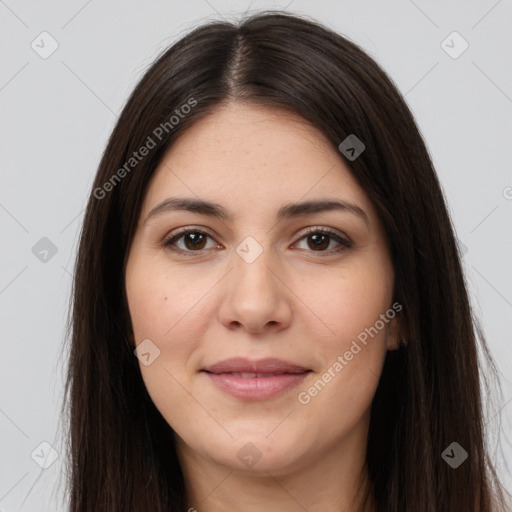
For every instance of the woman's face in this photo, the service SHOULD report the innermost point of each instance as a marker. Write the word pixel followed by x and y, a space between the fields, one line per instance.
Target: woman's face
pixel 254 284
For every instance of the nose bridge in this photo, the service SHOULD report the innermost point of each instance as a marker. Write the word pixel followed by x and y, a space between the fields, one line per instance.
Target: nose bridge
pixel 255 296
pixel 252 275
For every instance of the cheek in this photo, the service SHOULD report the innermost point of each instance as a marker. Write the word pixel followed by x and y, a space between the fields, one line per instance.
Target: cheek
pixel 351 304
pixel 168 307
pixel 160 302
pixel 165 308
pixel 354 348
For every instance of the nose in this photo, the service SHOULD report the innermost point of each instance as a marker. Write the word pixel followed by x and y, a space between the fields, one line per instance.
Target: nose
pixel 255 296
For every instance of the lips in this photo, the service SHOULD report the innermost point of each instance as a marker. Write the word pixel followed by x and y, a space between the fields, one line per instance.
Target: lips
pixel 261 368
pixel 250 375
pixel 255 380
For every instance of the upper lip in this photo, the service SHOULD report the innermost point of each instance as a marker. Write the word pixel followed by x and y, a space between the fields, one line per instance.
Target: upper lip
pixel 267 365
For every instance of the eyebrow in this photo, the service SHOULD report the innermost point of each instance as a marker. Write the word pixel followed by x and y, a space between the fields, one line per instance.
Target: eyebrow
pixel 288 211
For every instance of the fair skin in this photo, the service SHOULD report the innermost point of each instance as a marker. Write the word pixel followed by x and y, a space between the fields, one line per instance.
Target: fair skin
pixel 295 302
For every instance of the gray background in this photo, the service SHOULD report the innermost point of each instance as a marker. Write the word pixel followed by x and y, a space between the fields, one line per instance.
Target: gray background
pixel 57 113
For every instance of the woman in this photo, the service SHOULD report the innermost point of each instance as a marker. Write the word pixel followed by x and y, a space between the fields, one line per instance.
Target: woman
pixel 269 309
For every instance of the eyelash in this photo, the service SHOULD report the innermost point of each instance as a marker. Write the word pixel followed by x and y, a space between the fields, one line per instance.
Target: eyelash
pixel 344 243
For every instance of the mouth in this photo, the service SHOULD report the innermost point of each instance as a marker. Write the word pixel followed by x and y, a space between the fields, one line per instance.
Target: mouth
pixel 255 380
pixel 252 375
pixel 260 367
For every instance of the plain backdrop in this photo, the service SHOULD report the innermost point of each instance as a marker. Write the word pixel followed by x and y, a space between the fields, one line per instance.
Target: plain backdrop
pixel 58 110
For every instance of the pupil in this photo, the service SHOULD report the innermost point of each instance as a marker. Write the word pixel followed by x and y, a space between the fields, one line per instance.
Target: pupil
pixel 196 239
pixel 320 243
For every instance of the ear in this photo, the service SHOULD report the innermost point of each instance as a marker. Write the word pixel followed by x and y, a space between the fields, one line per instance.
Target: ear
pixel 131 339
pixel 394 334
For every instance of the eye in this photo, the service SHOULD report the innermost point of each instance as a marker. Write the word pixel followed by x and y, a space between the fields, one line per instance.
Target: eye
pixel 318 239
pixel 195 240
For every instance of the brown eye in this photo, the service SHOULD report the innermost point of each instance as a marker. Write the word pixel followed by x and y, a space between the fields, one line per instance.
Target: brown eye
pixel 192 240
pixel 319 240
pixel 189 241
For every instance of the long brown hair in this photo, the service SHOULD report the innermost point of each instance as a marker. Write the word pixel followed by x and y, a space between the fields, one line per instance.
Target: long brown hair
pixel 121 451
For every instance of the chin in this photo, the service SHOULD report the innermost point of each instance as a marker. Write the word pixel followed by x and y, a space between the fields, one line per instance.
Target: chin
pixel 262 454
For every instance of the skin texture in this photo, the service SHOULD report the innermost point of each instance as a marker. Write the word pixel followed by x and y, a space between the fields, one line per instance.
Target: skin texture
pixel 295 302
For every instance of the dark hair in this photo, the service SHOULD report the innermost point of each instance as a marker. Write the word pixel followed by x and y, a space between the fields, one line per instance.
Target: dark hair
pixel 121 450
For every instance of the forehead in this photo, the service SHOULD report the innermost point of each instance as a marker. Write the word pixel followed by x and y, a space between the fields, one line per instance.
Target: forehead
pixel 250 157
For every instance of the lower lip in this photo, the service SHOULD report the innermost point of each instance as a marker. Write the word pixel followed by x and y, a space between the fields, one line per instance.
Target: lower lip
pixel 256 388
